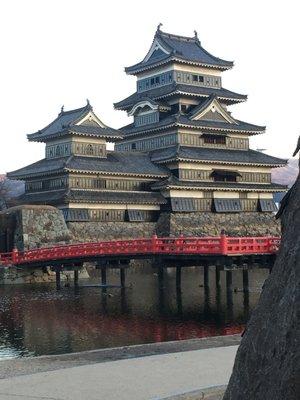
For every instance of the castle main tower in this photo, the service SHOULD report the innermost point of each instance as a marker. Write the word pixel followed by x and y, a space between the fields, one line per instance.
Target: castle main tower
pixel 181 119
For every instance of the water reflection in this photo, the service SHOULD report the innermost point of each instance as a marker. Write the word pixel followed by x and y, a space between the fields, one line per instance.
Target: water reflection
pixel 36 320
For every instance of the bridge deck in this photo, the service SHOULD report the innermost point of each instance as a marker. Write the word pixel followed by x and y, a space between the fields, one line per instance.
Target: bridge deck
pixel 146 248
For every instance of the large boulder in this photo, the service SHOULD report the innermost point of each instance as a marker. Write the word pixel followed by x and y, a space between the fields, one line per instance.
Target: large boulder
pixel 267 365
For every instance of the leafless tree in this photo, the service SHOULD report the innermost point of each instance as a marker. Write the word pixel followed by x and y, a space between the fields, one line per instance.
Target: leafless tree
pixel 4 193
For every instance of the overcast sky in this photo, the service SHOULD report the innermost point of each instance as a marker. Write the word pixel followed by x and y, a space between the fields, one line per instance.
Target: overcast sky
pixel 60 52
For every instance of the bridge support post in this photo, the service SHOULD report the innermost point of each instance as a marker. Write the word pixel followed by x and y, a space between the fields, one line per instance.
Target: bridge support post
pixel 76 277
pixel 122 277
pixel 229 280
pixel 245 280
pixel 57 277
pixel 178 277
pixel 161 277
pixel 103 275
pixel 206 275
pixel 217 276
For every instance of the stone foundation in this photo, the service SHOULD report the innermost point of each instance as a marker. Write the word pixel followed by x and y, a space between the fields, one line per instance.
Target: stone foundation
pixel 95 231
pixel 31 227
pixel 14 275
pixel 211 224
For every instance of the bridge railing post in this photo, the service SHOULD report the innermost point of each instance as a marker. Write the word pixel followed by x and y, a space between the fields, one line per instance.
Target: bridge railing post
pixel 154 243
pixel 223 243
pixel 14 255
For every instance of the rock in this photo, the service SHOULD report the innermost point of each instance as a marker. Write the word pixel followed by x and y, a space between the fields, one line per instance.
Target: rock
pixel 267 365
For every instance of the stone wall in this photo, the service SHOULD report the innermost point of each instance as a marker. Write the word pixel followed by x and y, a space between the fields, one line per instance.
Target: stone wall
pixel 35 226
pixel 211 224
pixel 95 231
pixel 13 275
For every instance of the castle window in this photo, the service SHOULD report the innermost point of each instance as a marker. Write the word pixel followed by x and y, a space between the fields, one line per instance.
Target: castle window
pixel 214 139
pixel 133 146
pixel 201 78
pixel 157 80
pixel 99 183
pixel 152 81
pixel 220 175
pixel 195 78
pixel 57 151
pixel 89 150
pixel 183 107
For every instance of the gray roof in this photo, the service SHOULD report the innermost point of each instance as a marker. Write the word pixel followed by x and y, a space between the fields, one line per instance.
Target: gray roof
pixel 65 124
pixel 115 163
pixel 175 182
pixel 182 49
pixel 116 197
pixel 67 196
pixel 212 155
pixel 182 120
pixel 176 89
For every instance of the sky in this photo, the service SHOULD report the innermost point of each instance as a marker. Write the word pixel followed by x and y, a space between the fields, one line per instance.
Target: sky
pixel 61 52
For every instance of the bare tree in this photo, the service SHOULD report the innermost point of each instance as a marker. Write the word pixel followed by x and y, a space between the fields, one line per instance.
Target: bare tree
pixel 4 193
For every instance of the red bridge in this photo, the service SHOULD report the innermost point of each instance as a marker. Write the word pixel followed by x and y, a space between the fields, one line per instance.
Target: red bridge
pixel 145 248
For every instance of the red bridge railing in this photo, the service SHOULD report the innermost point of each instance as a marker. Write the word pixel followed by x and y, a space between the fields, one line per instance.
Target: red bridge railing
pixel 220 245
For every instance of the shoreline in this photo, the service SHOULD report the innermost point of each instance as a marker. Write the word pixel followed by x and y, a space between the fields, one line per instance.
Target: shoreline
pixel 33 365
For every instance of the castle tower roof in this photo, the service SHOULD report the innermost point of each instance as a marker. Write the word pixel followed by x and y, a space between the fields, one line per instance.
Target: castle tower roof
pixel 81 121
pixel 167 47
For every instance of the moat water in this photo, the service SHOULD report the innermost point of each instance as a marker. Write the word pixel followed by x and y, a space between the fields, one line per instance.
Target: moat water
pixel 37 319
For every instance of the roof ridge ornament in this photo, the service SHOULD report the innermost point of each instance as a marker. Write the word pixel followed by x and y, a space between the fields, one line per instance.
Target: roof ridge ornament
pixel 88 105
pixel 196 37
pixel 61 110
pixel 158 27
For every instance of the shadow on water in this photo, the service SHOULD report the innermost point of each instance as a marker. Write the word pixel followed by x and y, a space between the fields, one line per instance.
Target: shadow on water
pixel 37 320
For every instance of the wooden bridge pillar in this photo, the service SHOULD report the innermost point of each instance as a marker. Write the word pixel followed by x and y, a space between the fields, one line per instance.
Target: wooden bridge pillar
pixel 206 275
pixel 103 275
pixel 178 277
pixel 76 277
pixel 245 280
pixel 122 277
pixel 206 308
pixel 217 276
pixel 161 276
pixel 229 280
pixel 57 277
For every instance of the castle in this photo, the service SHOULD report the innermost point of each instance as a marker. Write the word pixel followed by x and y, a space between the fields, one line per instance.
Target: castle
pixel 184 152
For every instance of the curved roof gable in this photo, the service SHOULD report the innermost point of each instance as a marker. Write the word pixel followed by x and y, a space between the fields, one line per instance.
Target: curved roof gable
pixel 168 47
pixel 211 109
pixel 81 121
